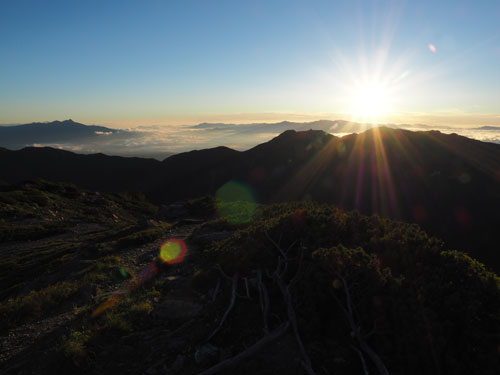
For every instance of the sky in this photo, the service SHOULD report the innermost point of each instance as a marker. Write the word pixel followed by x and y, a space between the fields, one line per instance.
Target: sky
pixel 130 63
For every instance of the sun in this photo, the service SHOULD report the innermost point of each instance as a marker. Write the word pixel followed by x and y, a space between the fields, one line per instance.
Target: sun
pixel 370 102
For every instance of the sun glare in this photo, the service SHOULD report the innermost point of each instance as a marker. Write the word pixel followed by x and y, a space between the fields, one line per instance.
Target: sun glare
pixel 370 102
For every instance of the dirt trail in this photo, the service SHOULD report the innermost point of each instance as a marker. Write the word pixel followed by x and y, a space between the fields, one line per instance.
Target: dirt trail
pixel 27 334
pixel 136 258
pixel 139 257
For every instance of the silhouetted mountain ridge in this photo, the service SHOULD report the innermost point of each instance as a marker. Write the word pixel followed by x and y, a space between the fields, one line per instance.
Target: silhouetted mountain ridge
pixel 448 184
pixel 18 136
pixel 488 128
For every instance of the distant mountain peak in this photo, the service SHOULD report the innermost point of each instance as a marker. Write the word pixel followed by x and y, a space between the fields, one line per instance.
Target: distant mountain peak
pixel 64 122
pixel 54 132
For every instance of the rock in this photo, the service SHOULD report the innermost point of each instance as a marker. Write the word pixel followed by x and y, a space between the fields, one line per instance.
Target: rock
pixel 177 309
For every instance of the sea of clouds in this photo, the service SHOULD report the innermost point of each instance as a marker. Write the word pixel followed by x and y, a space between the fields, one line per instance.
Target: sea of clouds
pixel 160 142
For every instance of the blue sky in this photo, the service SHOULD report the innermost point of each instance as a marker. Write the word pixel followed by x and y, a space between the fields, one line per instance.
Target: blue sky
pixel 125 63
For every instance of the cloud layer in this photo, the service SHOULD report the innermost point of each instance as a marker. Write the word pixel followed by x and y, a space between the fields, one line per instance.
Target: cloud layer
pixel 159 142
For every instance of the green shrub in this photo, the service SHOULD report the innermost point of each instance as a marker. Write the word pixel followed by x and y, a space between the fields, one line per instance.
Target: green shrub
pixel 74 346
pixel 36 302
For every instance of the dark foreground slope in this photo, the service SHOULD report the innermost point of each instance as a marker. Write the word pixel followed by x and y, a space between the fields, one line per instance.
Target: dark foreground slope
pixel 302 288
pixel 448 184
pixel 96 171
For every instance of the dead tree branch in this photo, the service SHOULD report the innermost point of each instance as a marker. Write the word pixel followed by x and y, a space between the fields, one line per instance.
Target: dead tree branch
pixel 216 291
pixel 356 330
pixel 284 253
pixel 275 245
pixel 299 267
pixel 264 299
pixel 231 305
pixel 219 268
pixel 362 358
pixel 252 350
pixel 247 288
pixel 306 361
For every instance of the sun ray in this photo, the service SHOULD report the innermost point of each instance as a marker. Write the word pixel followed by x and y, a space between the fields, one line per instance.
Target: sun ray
pixel 387 193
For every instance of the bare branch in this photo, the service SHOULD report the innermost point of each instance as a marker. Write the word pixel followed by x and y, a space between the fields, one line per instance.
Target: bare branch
pixel 278 267
pixel 284 253
pixel 306 361
pixel 246 287
pixel 289 247
pixel 263 299
pixel 231 305
pixel 299 266
pixel 356 330
pixel 259 288
pixel 219 268
pixel 252 350
pixel 362 358
pixel 347 294
pixel 216 291
pixel 269 274
pixel 265 313
pixel 275 245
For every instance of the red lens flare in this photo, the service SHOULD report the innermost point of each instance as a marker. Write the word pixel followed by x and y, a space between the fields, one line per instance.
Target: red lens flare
pixel 173 251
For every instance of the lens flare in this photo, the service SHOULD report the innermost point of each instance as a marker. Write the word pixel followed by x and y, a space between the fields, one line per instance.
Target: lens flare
pixel 111 301
pixel 235 202
pixel 173 251
pixel 146 273
pixel 432 48
pixel 123 273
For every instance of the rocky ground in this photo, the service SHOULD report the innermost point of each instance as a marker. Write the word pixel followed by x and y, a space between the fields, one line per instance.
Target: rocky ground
pixel 85 288
pixel 46 330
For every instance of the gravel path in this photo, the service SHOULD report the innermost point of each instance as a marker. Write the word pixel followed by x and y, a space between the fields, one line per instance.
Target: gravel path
pixel 136 258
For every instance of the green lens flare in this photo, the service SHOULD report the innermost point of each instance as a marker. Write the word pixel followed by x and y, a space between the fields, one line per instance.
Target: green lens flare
pixel 123 273
pixel 235 202
pixel 173 251
pixel 170 251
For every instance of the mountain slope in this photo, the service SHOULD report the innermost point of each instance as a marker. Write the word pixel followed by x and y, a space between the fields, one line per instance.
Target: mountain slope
pixel 447 183
pixel 18 136
pixel 96 171
pixel 302 288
